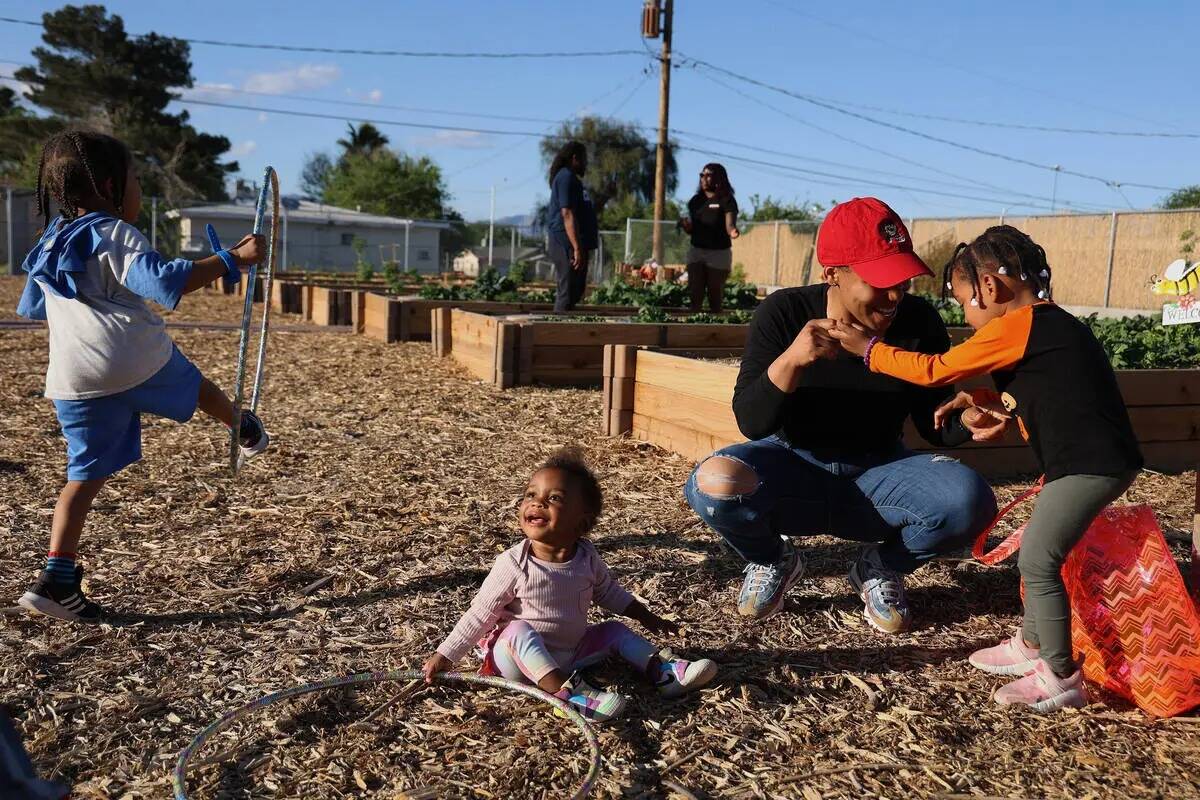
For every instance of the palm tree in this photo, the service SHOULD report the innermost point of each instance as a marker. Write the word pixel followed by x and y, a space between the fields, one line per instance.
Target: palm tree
pixel 363 140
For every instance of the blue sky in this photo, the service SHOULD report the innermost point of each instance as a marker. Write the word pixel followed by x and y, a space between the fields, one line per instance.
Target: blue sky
pixel 1127 67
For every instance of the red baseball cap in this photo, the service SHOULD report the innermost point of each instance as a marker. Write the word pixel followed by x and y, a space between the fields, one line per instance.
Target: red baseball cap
pixel 866 235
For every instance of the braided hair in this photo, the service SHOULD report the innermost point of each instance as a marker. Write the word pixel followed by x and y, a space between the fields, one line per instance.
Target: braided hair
pixel 1003 250
pixel 75 167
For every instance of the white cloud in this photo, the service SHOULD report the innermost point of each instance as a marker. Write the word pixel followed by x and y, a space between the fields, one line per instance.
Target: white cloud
pixel 262 116
pixel 457 140
pixel 301 78
pixel 208 91
pixel 242 149
pixel 375 95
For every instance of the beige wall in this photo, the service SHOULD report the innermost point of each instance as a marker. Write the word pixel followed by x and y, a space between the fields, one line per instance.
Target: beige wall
pixel 1077 248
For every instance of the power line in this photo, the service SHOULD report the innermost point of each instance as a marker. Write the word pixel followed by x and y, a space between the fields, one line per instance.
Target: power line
pixel 339 118
pixel 847 180
pixel 893 45
pixel 1016 125
pixel 951 184
pixel 871 148
pixel 920 134
pixel 397 53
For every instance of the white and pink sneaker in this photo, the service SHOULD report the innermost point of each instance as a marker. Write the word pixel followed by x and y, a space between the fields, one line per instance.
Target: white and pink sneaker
pixel 1010 657
pixel 1044 691
pixel 677 677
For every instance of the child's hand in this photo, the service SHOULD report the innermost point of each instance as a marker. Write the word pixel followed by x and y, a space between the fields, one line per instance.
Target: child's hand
pixel 983 414
pixel 853 338
pixel 250 250
pixel 434 664
pixel 656 624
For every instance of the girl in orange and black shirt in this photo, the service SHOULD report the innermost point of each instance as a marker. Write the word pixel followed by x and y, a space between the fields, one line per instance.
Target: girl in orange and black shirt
pixel 1053 375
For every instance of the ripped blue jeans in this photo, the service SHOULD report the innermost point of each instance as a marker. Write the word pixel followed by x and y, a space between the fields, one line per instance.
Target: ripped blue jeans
pixel 917 505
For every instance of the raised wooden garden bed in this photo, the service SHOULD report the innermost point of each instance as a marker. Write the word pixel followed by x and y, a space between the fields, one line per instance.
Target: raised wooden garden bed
pixel 407 318
pixel 518 350
pixel 684 404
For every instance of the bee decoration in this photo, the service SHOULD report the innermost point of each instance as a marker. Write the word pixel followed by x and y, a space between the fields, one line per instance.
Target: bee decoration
pixel 1179 278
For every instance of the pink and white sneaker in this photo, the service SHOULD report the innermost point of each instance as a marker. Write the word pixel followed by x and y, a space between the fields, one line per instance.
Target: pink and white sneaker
pixel 1044 691
pixel 1010 657
pixel 677 677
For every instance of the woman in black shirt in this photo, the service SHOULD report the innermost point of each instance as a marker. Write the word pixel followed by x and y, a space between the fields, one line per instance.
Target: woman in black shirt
pixel 825 454
pixel 712 223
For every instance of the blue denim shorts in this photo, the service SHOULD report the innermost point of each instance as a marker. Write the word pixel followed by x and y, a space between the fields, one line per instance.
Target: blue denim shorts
pixel 104 434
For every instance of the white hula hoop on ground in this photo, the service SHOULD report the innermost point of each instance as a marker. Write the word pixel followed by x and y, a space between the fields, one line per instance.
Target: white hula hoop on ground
pixel 271 184
pixel 179 776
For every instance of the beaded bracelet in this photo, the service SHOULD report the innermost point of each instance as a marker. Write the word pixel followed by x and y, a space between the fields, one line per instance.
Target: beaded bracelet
pixel 867 353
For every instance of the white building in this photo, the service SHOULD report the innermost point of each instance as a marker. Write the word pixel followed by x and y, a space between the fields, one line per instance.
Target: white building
pixel 316 236
pixel 473 261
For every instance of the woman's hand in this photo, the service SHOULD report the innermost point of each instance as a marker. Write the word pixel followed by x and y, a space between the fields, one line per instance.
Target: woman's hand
pixel 686 224
pixel 434 664
pixel 250 250
pixel 813 342
pixel 852 338
pixel 734 233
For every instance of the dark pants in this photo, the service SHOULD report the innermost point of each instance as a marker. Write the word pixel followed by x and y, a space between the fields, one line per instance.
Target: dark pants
pixel 571 281
pixel 918 506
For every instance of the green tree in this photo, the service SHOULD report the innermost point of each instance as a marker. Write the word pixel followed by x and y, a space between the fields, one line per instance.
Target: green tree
pixel 768 209
pixel 1185 197
pixel 363 140
pixel 620 160
pixel 390 183
pixel 313 175
pixel 21 134
pixel 90 72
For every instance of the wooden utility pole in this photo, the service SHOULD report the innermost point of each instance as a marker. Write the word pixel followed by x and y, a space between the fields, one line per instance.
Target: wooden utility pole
pixel 664 103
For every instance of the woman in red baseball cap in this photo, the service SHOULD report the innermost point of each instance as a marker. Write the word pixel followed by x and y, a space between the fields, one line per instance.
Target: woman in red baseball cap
pixel 825 454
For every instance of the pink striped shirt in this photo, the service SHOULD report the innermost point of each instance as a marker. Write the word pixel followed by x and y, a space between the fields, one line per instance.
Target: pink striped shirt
pixel 553 598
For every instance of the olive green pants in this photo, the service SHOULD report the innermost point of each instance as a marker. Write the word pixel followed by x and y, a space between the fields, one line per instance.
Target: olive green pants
pixel 1065 508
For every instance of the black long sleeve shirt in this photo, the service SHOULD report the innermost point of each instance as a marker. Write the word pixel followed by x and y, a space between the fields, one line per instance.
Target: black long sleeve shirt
pixel 839 409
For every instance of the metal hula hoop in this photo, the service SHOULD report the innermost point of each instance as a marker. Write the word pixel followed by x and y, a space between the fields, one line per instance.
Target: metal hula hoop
pixel 179 775
pixel 271 183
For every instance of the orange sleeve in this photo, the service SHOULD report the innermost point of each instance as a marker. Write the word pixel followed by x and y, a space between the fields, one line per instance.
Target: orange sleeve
pixel 998 345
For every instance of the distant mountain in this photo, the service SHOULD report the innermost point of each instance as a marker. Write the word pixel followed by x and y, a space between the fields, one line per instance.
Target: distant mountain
pixel 520 220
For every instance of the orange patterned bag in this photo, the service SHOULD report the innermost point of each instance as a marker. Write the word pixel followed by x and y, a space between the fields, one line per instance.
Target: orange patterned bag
pixel 1133 625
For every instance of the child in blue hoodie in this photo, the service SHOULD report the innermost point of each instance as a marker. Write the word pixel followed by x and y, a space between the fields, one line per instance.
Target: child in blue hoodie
pixel 110 356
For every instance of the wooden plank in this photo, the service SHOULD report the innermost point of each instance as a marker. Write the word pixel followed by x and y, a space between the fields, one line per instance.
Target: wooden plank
pixel 687 411
pixel 689 376
pixel 579 356
pixel 1165 423
pixel 507 339
pixel 1159 387
pixel 345 316
pixel 624 360
pixel 620 422
pixel 690 444
pixel 524 355
pixel 566 376
pixel 710 335
pixel 320 310
pixel 379 317
pixel 358 308
pixel 594 333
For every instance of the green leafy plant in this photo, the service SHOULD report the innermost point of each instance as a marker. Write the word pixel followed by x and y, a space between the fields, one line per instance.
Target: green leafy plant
pixel 362 267
pixel 518 272
pixel 1186 243
pixel 1145 343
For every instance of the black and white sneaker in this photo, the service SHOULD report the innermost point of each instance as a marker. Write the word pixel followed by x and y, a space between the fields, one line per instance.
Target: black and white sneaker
pixel 253 436
pixel 61 600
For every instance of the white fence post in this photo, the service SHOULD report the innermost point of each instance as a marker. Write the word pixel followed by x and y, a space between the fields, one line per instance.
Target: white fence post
pixel 8 225
pixel 1112 251
pixel 628 239
pixel 775 256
